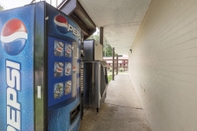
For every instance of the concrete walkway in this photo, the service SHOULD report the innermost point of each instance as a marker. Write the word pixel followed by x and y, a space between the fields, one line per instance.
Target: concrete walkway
pixel 121 111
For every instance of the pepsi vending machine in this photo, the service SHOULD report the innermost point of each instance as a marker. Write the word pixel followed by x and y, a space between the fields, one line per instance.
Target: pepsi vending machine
pixel 39 70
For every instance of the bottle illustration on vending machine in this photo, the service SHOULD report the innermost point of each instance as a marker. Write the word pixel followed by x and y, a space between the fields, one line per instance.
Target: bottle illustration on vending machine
pixel 59 68
pixel 68 50
pixel 59 48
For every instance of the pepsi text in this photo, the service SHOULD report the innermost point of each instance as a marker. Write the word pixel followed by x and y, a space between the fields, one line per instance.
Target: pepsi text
pixel 13 80
pixel 73 30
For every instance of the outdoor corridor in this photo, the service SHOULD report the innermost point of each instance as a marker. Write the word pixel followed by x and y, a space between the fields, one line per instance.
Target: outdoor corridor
pixel 121 111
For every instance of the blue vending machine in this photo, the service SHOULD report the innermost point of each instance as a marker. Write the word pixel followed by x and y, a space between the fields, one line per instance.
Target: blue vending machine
pixel 39 70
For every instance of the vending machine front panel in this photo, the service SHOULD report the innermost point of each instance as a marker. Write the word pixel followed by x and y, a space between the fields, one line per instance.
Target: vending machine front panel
pixel 63 37
pixel 16 80
pixel 63 62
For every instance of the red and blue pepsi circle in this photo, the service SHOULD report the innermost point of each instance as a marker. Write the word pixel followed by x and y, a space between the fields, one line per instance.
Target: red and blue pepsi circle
pixel 61 24
pixel 14 36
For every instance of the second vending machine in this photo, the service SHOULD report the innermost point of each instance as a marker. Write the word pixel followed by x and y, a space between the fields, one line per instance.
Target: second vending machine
pixel 39 68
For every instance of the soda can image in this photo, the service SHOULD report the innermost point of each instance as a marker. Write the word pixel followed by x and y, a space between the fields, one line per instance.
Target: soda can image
pixel 58 69
pixel 68 69
pixel 68 50
pixel 58 90
pixel 58 48
pixel 67 89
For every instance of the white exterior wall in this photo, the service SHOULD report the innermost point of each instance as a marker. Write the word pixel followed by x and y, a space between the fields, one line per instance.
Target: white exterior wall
pixel 163 65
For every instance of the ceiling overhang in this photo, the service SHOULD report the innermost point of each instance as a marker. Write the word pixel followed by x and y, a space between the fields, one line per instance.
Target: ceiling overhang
pixel 120 19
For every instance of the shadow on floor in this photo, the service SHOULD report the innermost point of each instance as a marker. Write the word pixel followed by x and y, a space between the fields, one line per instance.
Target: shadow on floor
pixel 121 111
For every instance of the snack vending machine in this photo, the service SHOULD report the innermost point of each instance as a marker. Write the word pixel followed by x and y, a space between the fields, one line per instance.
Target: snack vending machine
pixel 39 70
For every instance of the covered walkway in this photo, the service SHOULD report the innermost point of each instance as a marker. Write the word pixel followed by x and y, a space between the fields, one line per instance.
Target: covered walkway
pixel 121 111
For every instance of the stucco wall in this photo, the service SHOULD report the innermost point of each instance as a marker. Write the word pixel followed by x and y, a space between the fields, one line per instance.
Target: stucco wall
pixel 163 65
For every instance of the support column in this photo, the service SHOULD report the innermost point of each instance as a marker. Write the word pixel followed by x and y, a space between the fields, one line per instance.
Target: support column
pixel 101 35
pixel 113 62
pixel 117 64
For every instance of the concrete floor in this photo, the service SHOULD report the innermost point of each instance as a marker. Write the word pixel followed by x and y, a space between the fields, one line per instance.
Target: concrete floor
pixel 121 111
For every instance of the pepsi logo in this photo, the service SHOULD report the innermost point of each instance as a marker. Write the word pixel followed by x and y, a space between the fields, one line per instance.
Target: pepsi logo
pixel 61 24
pixel 64 27
pixel 14 36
